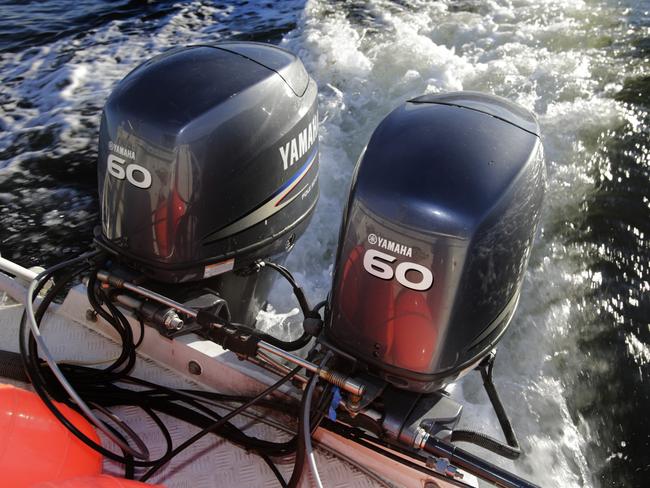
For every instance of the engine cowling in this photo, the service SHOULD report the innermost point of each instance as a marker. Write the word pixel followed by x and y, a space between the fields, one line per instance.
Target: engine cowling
pixel 436 237
pixel 208 158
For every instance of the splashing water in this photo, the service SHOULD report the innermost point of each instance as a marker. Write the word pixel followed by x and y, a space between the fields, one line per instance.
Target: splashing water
pixel 568 62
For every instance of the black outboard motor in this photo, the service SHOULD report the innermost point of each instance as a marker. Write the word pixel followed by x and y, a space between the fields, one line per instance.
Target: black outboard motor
pixel 436 237
pixel 208 160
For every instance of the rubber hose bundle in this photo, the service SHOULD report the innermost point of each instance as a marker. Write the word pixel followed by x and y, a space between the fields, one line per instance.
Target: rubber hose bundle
pixel 97 386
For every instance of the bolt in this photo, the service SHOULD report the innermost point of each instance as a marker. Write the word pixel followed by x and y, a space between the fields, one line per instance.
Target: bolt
pixel 172 321
pixel 444 467
pixel 353 405
pixel 290 242
pixel 194 368
pixel 91 315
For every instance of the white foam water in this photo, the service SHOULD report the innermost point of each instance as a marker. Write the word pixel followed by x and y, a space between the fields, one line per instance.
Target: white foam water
pixel 551 57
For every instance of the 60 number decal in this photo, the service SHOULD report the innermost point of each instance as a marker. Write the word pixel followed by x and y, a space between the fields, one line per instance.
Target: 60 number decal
pixel 117 169
pixel 378 264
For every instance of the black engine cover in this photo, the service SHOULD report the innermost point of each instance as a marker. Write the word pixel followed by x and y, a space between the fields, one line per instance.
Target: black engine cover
pixel 208 159
pixel 436 237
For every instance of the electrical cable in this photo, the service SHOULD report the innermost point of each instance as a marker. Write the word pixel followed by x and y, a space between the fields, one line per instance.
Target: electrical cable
pixel 299 462
pixel 116 371
pixel 30 361
pixel 137 398
pixel 307 311
pixel 39 382
pixel 141 336
pixel 302 300
pixel 275 470
pixel 158 395
pixel 218 424
pixel 306 428
pixel 199 414
pixel 116 319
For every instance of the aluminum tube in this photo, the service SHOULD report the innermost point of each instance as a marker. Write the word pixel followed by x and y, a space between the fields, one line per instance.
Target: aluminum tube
pixel 17 270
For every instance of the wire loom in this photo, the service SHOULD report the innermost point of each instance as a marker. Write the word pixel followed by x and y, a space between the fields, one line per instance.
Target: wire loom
pixel 105 388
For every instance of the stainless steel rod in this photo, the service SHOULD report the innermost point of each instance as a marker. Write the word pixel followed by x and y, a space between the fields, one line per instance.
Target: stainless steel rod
pixel 280 368
pixel 345 383
pixel 297 360
pixel 274 368
pixel 272 365
pixel 105 277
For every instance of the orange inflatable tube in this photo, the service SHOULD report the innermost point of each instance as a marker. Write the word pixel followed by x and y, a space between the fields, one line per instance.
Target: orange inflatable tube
pixel 100 481
pixel 36 447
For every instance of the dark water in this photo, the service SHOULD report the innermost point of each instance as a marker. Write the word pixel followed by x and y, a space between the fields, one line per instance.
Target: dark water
pixel 582 336
pixel 612 388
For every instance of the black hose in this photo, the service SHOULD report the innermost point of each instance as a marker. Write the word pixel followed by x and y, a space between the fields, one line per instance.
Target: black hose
pixel 307 312
pixel 116 319
pixel 297 291
pixel 301 455
pixel 510 450
pixel 294 345
pixel 493 395
pixel 96 385
pixel 198 415
pixel 30 361
pixel 486 442
pixel 275 470
pixel 113 396
pixel 161 396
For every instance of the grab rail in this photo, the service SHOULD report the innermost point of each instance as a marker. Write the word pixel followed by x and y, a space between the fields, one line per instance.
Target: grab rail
pixel 16 270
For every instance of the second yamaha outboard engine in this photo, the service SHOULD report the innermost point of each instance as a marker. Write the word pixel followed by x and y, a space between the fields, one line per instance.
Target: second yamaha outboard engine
pixel 208 161
pixel 436 237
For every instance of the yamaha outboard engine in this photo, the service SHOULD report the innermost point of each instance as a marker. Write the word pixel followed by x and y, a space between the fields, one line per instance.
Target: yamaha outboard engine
pixel 436 236
pixel 208 161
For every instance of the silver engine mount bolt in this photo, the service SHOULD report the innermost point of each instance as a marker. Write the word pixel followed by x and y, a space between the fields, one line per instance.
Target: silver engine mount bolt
pixel 172 321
